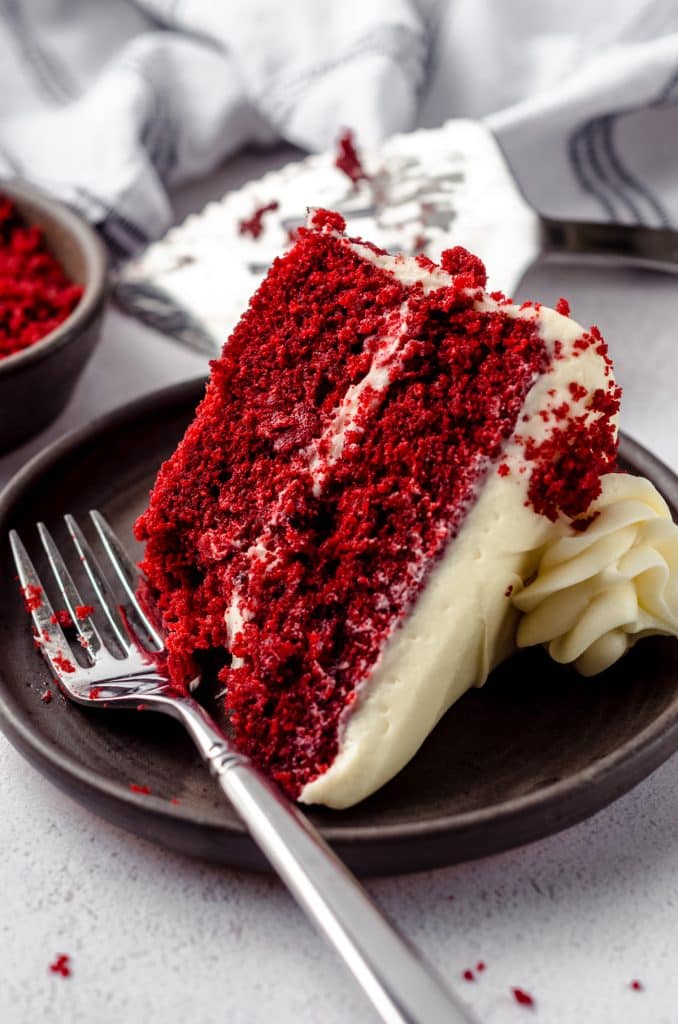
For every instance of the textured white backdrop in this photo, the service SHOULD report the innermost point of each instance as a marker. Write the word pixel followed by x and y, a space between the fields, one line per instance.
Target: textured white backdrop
pixel 155 937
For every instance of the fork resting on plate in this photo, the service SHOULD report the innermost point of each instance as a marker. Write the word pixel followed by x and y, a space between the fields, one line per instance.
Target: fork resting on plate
pixel 130 673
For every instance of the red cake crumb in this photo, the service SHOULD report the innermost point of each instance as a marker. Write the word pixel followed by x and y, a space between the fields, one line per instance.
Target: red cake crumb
pixel 62 618
pixel 61 965
pixel 522 997
pixel 83 611
pixel 46 696
pixel 563 307
pixel 134 788
pixel 35 294
pixel 582 524
pixel 347 159
pixel 509 590
pixel 94 692
pixel 459 262
pixel 329 219
pixel 503 469
pixel 468 975
pixel 481 965
pixel 254 225
pixel 636 985
pixel 32 597
pixel 63 663
pixel 578 391
pixel 570 461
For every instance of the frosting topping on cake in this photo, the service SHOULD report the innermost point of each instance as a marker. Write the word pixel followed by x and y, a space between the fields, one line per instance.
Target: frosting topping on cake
pixel 598 591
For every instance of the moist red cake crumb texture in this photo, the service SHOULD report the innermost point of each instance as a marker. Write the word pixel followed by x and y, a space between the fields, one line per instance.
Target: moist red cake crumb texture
pixel 316 558
pixel 35 294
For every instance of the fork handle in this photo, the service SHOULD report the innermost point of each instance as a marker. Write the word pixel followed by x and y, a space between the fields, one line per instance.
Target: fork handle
pixel 627 244
pixel 402 988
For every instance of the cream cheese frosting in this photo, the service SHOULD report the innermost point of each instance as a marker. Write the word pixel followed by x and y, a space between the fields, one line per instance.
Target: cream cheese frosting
pixel 464 622
pixel 597 592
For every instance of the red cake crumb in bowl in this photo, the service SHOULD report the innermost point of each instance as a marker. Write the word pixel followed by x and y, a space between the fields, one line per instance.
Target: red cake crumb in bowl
pixel 53 285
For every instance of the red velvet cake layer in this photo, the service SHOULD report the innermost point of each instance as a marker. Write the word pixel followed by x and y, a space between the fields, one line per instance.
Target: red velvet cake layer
pixel 311 534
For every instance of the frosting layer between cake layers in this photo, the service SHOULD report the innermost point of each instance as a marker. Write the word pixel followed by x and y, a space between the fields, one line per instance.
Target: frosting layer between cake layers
pixel 464 622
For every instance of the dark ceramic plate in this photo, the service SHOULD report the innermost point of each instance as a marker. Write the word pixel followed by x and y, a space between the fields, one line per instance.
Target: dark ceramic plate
pixel 537 749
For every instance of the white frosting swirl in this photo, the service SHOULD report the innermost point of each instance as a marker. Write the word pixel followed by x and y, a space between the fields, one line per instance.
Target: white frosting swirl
pixel 597 592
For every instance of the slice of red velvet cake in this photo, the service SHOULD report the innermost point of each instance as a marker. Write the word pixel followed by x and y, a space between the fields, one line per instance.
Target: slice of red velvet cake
pixel 382 454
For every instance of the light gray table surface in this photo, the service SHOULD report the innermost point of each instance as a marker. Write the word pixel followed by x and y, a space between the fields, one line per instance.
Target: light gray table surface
pixel 155 937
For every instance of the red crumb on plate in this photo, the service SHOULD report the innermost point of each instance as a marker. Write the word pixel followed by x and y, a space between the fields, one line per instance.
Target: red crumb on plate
pixel 468 975
pixel 347 159
pixel 139 789
pixel 254 225
pixel 46 696
pixel 480 966
pixel 83 611
pixel 636 985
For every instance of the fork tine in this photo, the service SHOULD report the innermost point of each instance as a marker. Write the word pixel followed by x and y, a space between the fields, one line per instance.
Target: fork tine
pixel 126 571
pixel 87 631
pixel 102 587
pixel 53 643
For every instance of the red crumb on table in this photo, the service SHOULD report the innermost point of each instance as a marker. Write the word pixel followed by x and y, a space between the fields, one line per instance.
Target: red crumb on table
pixel 347 159
pixel 46 696
pixel 480 966
pixel 83 611
pixel 636 985
pixel 563 307
pixel 134 788
pixel 254 225
pixel 468 975
pixel 32 597
pixel 35 294
pixel 522 997
pixel 62 618
pixel 61 965
pixel 63 663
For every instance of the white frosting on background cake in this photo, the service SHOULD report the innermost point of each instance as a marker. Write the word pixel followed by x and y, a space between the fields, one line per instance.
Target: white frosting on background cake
pixel 464 621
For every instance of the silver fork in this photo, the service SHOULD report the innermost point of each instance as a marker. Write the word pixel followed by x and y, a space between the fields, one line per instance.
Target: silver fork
pixel 400 985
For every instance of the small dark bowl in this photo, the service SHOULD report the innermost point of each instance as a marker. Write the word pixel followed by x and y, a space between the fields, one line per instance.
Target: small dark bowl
pixel 36 384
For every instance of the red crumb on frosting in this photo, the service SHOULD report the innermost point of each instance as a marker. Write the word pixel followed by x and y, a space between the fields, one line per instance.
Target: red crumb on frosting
pixel 254 225
pixel 62 663
pixel 503 469
pixel 61 965
pixel 134 788
pixel 35 294
pixel 32 596
pixel 347 159
pixel 62 617
pixel 636 985
pixel 83 611
pixel 461 263
pixel 522 997
pixel 563 307
pixel 578 391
